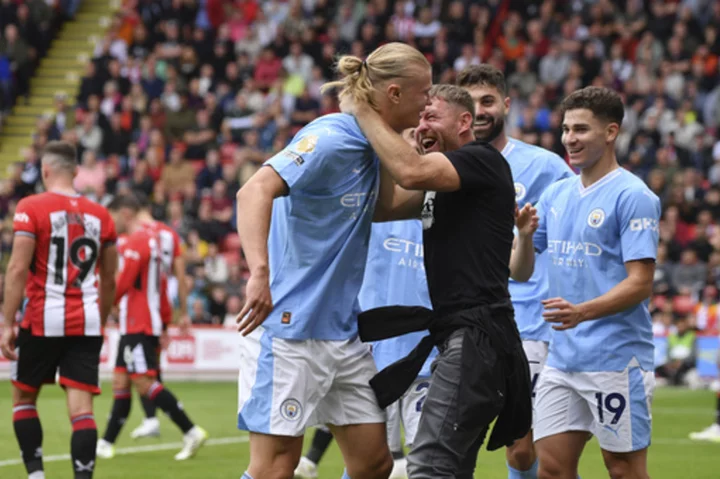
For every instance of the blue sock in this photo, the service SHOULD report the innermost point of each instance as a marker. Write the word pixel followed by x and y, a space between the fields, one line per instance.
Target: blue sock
pixel 345 474
pixel 529 474
pixel 246 476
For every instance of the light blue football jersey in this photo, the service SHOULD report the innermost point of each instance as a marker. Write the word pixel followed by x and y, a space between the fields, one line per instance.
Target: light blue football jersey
pixel 589 234
pixel 533 169
pixel 395 276
pixel 320 232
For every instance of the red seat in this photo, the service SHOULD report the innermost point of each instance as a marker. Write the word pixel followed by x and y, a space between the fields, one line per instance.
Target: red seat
pixel 231 243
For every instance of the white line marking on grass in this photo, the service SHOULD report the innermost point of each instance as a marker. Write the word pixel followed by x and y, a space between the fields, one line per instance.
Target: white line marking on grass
pixel 221 441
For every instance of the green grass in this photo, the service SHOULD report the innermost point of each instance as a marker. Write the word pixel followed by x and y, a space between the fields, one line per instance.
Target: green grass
pixel 212 405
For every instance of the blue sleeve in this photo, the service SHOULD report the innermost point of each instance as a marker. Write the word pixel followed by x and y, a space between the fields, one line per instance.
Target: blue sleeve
pixel 639 215
pixel 303 161
pixel 540 236
pixel 299 162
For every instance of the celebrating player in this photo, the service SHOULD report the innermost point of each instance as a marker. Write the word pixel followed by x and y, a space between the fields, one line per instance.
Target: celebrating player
pixel 305 366
pixel 600 230
pixel 64 245
pixel 468 219
pixel 533 169
pixel 139 290
pixel 394 275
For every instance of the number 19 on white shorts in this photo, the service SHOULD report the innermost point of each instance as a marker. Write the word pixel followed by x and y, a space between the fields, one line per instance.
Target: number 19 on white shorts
pixel 613 405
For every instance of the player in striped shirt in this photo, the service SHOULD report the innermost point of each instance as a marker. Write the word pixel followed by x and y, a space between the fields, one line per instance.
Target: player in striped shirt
pixel 139 293
pixel 173 262
pixel 64 255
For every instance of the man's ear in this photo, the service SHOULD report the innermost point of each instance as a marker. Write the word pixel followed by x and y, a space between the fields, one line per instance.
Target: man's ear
pixel 393 93
pixel 466 122
pixel 611 132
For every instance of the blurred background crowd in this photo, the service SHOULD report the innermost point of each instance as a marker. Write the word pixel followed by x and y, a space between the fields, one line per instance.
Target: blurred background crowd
pixel 184 99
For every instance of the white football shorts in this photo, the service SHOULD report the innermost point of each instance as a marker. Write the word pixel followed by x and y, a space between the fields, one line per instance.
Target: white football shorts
pixel 406 412
pixel 286 386
pixel 615 406
pixel 536 352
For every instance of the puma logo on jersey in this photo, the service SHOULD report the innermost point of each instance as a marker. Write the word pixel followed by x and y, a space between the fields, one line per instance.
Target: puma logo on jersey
pixel 21 218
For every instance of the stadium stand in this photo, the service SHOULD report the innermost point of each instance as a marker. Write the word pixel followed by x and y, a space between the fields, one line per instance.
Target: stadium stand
pixel 185 99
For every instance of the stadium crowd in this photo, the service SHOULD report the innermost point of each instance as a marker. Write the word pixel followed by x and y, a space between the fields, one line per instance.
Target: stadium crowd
pixel 184 100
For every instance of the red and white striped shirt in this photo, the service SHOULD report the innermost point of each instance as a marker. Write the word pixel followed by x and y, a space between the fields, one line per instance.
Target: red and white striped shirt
pixel 62 287
pixel 142 285
pixel 169 249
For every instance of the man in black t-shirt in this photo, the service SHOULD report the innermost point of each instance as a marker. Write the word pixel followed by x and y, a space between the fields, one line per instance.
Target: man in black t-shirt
pixel 466 197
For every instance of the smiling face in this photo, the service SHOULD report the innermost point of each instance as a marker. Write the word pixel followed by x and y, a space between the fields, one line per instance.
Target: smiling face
pixel 490 111
pixel 441 125
pixel 586 137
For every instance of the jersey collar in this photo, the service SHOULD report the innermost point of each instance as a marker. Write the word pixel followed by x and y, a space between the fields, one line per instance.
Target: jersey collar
pixel 599 183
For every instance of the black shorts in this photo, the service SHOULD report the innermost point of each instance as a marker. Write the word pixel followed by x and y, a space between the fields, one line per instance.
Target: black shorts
pixel 39 358
pixel 138 355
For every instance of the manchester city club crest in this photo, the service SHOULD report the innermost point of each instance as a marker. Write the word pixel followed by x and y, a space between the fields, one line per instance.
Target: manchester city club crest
pixel 520 191
pixel 596 218
pixel 291 410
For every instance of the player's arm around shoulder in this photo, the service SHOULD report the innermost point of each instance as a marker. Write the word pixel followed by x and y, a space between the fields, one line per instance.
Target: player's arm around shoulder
pixel 409 169
pixel 395 202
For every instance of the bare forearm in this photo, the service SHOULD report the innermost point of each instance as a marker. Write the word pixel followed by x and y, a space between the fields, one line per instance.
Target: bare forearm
pixel 15 279
pixel 626 294
pixel 394 152
pixel 254 209
pixel 522 259
pixel 107 298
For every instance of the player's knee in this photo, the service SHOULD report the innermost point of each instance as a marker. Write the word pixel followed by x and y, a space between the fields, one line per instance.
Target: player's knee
pixel 379 468
pixel 142 384
pixel 120 381
pixel 521 455
pixel 281 467
pixel 23 396
pixel 549 468
pixel 618 468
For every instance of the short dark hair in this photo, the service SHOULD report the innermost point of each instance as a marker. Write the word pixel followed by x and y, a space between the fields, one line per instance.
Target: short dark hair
pixel 454 95
pixel 482 75
pixel 60 154
pixel 142 199
pixel 124 201
pixel 604 103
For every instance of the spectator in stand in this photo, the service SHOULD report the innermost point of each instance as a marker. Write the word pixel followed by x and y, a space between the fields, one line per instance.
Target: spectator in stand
pixel 177 174
pixel 91 174
pixel 690 273
pixel 681 352
pixel 199 314
pixel 20 55
pixel 216 267
pixel 233 307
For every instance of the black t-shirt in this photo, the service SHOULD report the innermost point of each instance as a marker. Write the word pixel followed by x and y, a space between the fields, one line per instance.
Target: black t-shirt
pixel 468 233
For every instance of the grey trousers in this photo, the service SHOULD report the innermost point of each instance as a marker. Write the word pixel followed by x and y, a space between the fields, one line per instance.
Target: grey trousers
pixel 443 448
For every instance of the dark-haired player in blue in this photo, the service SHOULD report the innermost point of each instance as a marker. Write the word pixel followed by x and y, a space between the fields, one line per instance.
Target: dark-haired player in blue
pixel 600 230
pixel 534 169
